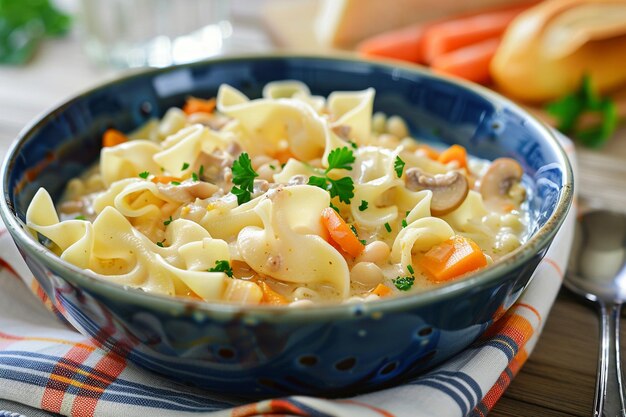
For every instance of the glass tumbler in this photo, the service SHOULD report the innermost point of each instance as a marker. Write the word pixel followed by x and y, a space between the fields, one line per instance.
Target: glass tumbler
pixel 156 33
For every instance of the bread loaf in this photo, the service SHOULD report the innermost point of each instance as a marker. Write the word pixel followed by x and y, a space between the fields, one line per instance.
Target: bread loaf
pixel 548 49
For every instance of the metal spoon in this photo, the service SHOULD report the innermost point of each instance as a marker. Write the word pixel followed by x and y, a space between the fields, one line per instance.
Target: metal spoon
pixel 597 272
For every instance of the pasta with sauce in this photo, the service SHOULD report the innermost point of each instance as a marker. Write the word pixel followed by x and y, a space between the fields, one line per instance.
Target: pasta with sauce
pixel 286 199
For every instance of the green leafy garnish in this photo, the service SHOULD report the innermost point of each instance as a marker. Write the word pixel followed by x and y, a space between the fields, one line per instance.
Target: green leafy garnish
pixel 222 266
pixel 80 217
pixel 354 145
pixel 168 221
pixel 410 269
pixel 363 242
pixel 144 175
pixel 398 166
pixel 334 207
pixel 175 183
pixel 201 171
pixel 404 283
pixel 339 158
pixel 243 178
pixel 388 227
pixel 23 24
pixel 185 166
pixel 194 176
pixel 404 223
pixel 273 167
pixel 160 244
pixel 569 110
pixel 363 205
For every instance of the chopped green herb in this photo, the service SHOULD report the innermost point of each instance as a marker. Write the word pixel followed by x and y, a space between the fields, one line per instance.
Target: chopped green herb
pixel 194 176
pixel 569 110
pixel 273 167
pixel 407 213
pixel 243 178
pixel 162 169
pixel 398 166
pixel 410 269
pixel 388 227
pixel 80 217
pixel 185 166
pixel 144 175
pixel 175 183
pixel 354 230
pixel 334 207
pixel 363 205
pixel 222 266
pixel 168 221
pixel 283 164
pixel 339 158
pixel 404 223
pixel 201 171
pixel 404 283
pixel 354 145
pixel 160 244
pixel 363 242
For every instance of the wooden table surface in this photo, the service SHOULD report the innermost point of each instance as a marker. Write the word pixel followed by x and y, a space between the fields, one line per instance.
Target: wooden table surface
pixel 557 380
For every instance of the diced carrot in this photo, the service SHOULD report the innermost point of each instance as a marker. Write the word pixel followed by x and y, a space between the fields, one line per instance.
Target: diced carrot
pixel 113 137
pixel 164 179
pixel 381 290
pixel 283 155
pixel 270 296
pixel 341 233
pixel 429 152
pixel 405 44
pixel 471 62
pixel 450 35
pixel 451 259
pixel 198 105
pixel 454 153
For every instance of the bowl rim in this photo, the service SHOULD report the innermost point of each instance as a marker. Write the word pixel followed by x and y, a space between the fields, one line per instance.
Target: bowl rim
pixel 86 279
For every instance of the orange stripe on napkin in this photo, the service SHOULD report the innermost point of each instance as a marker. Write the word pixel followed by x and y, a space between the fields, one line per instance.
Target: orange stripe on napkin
pixel 61 378
pixel 555 265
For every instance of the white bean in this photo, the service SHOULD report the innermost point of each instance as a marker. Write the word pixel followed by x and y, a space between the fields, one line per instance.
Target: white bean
pixel 379 121
pixel 367 274
pixel 397 127
pixel 376 252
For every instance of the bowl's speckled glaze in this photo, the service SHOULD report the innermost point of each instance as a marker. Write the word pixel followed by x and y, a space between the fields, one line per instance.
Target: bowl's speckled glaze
pixel 269 351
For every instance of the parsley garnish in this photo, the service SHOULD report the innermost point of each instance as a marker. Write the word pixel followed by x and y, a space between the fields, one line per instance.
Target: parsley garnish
pixel 175 183
pixel 222 266
pixel 334 207
pixel 404 223
pixel 410 269
pixel 363 242
pixel 569 110
pixel 194 176
pixel 363 205
pixel 201 171
pixel 168 221
pixel 354 145
pixel 243 177
pixel 160 244
pixel 185 166
pixel 80 217
pixel 388 227
pixel 403 283
pixel 340 158
pixel 272 166
pixel 398 166
pixel 144 175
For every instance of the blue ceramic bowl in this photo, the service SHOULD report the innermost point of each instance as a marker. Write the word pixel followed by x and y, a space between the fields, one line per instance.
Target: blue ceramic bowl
pixel 269 351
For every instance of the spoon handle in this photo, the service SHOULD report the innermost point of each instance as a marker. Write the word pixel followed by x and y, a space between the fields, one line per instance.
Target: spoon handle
pixel 609 397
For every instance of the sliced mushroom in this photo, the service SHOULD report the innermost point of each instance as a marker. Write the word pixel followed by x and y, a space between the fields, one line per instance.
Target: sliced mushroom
pixel 449 189
pixel 187 192
pixel 501 182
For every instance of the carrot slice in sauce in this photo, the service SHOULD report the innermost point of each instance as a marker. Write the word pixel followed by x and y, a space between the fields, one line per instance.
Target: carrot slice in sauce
pixel 341 233
pixel 451 259
pixel 113 137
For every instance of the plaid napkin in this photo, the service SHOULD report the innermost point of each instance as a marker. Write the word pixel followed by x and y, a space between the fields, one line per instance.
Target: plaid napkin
pixel 47 365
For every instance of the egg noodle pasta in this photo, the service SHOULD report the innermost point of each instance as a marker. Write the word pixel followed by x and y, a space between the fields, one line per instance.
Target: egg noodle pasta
pixel 288 199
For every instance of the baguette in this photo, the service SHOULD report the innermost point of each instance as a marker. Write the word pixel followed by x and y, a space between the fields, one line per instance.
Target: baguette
pixel 547 49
